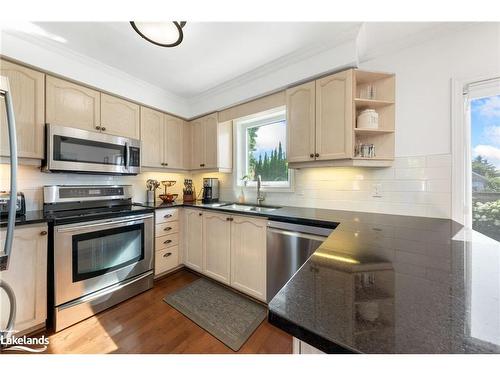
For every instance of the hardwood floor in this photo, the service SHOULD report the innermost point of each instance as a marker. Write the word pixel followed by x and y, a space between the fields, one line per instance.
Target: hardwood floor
pixel 146 324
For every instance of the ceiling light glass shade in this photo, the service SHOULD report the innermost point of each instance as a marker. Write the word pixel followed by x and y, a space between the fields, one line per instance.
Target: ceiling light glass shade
pixel 165 34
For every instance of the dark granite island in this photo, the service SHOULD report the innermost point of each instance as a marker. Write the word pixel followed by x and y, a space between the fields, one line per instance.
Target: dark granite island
pixel 395 284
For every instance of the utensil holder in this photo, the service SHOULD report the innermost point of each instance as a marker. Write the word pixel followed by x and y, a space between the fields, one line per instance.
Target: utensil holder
pixel 150 196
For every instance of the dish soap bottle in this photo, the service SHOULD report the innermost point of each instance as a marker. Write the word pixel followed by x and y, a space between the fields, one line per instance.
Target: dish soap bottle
pixel 241 197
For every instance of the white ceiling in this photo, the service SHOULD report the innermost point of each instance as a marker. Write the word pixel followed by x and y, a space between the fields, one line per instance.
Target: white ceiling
pixel 211 54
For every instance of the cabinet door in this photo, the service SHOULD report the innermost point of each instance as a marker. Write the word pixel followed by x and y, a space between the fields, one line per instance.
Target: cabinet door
pixel 210 137
pixel 334 116
pixel 217 246
pixel 28 96
pixel 27 275
pixel 187 145
pixel 193 239
pixel 152 126
pixel 173 142
pixel 72 105
pixel 198 154
pixel 248 256
pixel 300 122
pixel 119 117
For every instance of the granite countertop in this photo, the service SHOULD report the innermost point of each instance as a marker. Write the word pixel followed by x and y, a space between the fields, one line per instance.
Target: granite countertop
pixel 395 284
pixel 31 217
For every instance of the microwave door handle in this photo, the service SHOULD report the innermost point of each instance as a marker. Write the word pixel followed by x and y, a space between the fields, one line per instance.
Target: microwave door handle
pixel 11 124
pixel 127 155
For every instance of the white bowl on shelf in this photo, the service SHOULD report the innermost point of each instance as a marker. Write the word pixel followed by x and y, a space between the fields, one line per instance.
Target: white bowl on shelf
pixel 367 119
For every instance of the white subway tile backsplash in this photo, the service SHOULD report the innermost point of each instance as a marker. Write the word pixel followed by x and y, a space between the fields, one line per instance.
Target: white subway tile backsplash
pixel 418 186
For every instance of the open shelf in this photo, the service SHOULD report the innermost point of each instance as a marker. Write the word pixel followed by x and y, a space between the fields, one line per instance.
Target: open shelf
pixel 372 131
pixel 371 103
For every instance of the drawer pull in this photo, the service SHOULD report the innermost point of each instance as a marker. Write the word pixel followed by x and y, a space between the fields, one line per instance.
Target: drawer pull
pixel 166 255
pixel 167 241
pixel 167 229
pixel 168 216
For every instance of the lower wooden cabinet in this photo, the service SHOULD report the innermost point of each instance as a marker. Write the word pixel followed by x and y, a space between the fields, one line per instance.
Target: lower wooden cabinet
pixel 166 240
pixel 193 239
pixel 27 275
pixel 248 256
pixel 217 246
pixel 301 347
pixel 228 248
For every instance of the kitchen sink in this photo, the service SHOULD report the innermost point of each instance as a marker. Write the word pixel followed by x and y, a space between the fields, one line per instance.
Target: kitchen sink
pixel 249 208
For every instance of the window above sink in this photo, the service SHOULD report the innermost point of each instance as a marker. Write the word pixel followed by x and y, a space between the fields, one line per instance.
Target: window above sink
pixel 260 149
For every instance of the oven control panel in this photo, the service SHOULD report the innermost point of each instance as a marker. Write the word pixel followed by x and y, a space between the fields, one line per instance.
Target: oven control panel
pixel 69 193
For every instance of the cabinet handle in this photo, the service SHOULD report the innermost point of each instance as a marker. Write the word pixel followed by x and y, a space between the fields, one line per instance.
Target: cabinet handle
pixel 166 164
pixel 311 155
pixel 43 233
pixel 199 214
pixel 98 128
pixel 167 241
pixel 167 229
pixel 103 128
pixel 166 255
pixel 202 165
pixel 317 155
pixel 167 216
pixel 229 219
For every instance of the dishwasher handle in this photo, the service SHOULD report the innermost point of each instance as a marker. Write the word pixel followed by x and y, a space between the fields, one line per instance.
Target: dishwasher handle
pixel 296 234
pixel 299 228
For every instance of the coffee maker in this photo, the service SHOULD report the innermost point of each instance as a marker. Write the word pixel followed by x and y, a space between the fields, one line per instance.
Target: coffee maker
pixel 210 190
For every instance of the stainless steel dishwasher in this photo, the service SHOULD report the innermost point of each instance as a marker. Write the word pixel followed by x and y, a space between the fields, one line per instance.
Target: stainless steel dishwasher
pixel 288 247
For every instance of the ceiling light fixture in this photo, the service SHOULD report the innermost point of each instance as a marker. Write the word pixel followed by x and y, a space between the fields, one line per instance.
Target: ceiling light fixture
pixel 164 34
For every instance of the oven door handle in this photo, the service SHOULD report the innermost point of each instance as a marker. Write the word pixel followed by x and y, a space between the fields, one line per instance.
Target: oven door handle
pixel 130 220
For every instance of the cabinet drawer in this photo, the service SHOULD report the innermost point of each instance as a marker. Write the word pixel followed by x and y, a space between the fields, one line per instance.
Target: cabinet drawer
pixel 166 228
pixel 166 259
pixel 166 215
pixel 166 241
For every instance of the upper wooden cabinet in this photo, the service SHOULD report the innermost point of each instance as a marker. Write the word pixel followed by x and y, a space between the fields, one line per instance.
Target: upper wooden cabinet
pixel 300 117
pixel 152 138
pixel 164 139
pixel 119 117
pixel 69 104
pixel 187 146
pixel 212 144
pixel 173 143
pixel 27 88
pixel 334 116
pixel 321 120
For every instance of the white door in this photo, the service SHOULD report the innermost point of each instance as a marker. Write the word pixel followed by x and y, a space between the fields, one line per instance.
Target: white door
pixel 248 256
pixel 27 275
pixel 193 239
pixel 217 246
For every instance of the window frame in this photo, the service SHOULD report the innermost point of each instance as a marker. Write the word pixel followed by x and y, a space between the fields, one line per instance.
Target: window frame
pixel 463 91
pixel 240 127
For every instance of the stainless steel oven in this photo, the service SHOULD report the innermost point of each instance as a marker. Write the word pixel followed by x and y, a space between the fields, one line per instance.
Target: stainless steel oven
pixel 102 249
pixel 77 150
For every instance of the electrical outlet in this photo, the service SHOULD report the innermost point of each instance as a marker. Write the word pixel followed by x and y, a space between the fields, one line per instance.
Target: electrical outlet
pixel 377 190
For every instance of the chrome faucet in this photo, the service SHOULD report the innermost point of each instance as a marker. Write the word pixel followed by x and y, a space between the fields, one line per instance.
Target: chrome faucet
pixel 260 195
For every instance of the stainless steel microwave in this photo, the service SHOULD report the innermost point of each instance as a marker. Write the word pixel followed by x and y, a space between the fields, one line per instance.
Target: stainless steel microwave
pixel 81 151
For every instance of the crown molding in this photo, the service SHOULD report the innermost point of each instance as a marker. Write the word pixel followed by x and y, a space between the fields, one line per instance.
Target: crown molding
pixel 26 48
